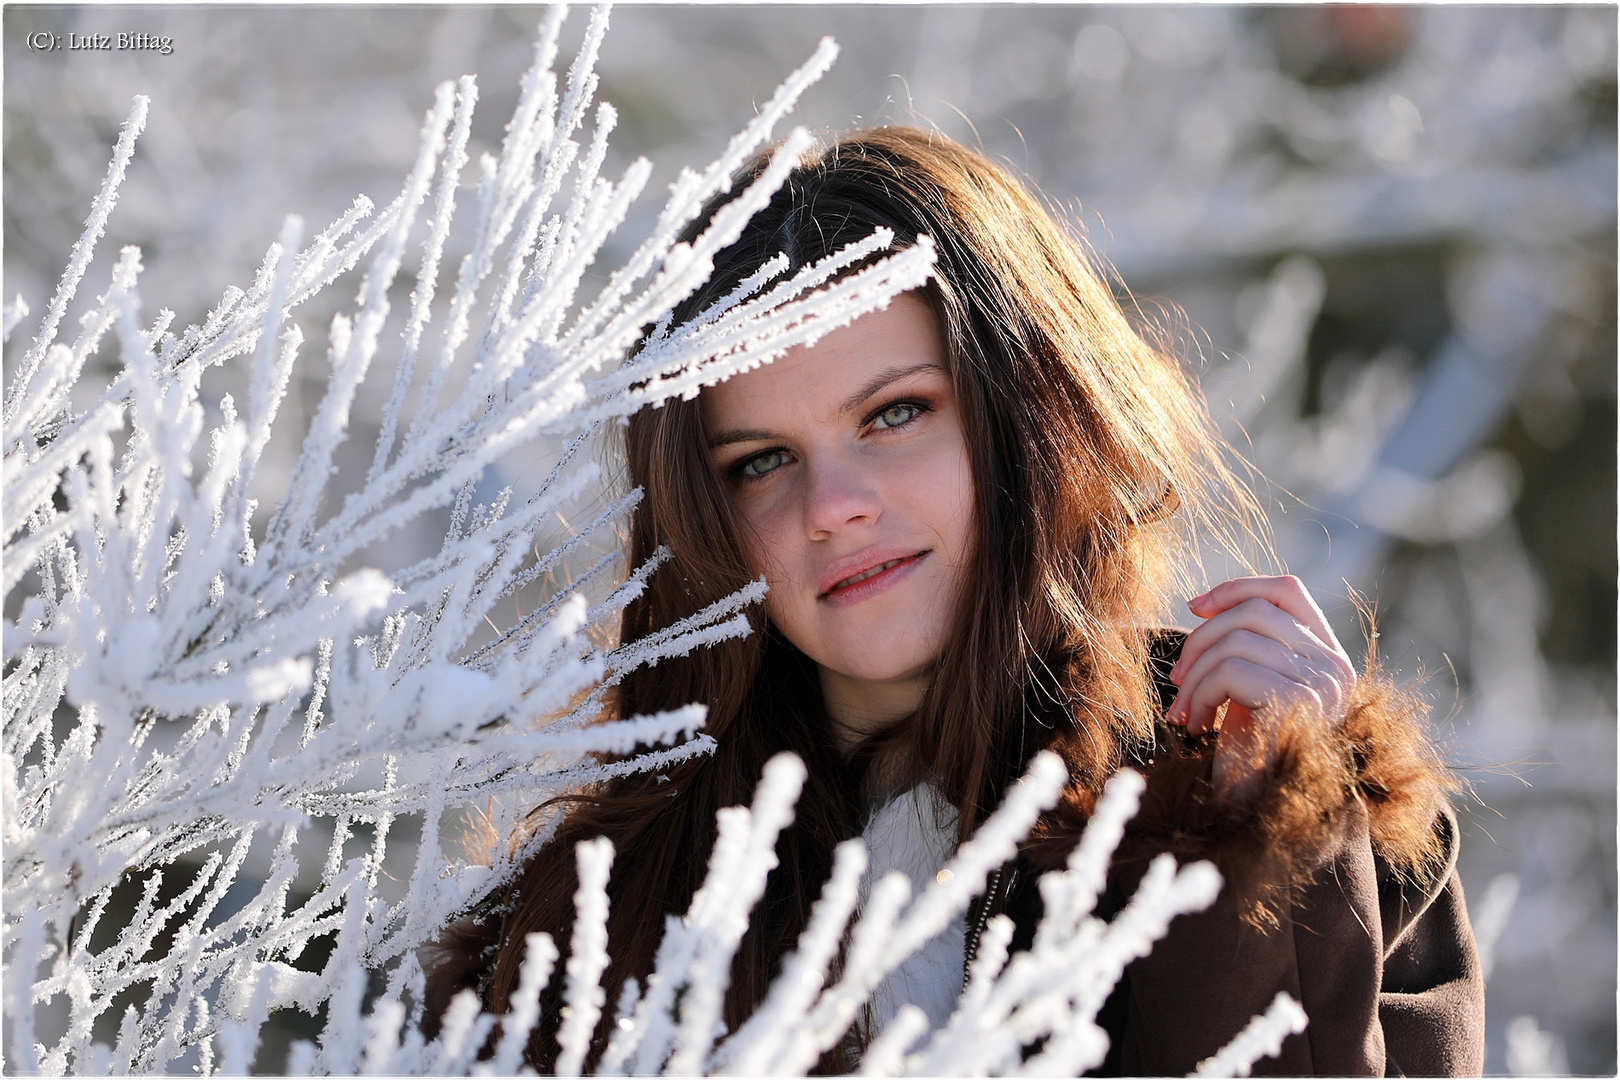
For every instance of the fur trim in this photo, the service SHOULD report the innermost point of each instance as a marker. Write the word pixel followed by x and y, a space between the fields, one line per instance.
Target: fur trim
pixel 1270 846
pixel 1399 774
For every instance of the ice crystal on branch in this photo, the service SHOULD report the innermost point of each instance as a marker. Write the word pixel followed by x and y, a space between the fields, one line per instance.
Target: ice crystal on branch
pixel 231 746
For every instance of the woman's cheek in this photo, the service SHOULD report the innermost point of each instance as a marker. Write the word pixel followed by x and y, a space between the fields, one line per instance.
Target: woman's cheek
pixel 946 480
pixel 770 542
pixel 767 556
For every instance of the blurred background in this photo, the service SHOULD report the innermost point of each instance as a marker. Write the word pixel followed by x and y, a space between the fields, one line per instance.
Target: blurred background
pixel 1384 236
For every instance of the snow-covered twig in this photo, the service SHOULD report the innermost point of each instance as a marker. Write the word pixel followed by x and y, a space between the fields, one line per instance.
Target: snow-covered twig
pixel 231 666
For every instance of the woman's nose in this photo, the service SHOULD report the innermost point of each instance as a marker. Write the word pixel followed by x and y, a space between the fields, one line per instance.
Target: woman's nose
pixel 837 496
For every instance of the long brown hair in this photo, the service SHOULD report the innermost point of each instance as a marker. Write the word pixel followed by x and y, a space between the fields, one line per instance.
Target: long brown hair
pixel 1094 466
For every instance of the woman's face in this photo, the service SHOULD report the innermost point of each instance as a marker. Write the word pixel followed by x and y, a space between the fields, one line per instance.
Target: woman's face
pixel 847 464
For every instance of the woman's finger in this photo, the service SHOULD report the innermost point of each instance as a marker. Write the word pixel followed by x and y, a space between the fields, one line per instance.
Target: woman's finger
pixel 1264 618
pixel 1322 675
pixel 1285 591
pixel 1243 682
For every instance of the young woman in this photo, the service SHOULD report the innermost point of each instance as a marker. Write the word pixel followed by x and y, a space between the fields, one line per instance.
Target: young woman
pixel 973 509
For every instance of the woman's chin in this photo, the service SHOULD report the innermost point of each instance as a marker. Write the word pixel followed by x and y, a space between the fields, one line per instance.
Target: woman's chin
pixel 881 664
pixel 884 642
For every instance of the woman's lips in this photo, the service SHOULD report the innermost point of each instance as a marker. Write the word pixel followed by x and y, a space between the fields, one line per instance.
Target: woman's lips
pixel 875 579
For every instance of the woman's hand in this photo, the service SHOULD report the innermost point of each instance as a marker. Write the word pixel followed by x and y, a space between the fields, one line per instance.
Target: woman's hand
pixel 1265 650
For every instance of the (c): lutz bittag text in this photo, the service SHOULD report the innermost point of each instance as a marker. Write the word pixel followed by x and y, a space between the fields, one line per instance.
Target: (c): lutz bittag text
pixel 49 41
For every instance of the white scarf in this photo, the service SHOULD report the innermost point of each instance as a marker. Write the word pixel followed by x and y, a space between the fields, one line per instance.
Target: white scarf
pixel 915 833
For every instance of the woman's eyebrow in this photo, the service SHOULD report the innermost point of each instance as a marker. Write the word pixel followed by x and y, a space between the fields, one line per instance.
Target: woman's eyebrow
pixel 726 438
pixel 884 378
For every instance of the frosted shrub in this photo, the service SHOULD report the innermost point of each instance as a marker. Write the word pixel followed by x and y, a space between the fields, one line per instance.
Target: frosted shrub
pixel 191 687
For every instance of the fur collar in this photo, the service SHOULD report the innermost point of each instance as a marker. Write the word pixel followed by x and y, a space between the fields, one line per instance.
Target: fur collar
pixel 1379 757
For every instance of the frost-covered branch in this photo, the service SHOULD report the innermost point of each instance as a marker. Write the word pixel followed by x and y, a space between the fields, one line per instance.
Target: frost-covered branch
pixel 206 668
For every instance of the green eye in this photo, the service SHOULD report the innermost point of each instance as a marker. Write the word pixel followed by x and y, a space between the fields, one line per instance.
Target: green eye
pixel 760 464
pixel 896 416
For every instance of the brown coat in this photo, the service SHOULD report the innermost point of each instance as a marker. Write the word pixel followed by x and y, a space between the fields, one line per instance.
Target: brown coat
pixel 1342 889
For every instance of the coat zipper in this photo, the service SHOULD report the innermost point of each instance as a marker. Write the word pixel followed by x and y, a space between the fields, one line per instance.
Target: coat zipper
pixel 990 905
